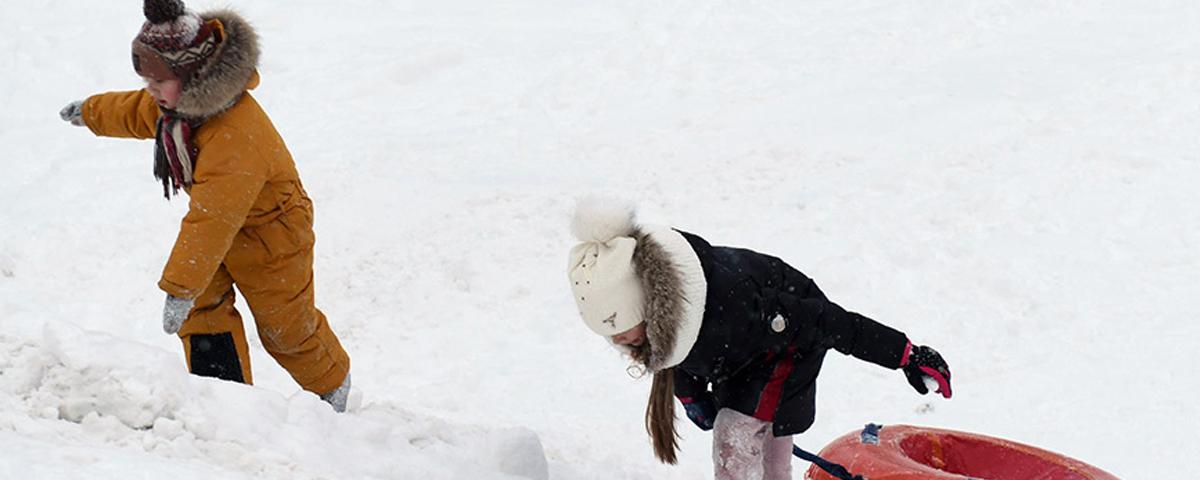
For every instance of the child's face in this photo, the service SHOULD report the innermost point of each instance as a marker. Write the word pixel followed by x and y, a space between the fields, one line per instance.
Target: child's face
pixel 166 92
pixel 633 337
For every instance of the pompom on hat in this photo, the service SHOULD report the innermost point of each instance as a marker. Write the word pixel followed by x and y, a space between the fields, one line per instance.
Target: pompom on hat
pixel 173 43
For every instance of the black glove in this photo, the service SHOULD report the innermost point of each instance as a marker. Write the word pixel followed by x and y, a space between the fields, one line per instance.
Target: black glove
pixel 926 362
pixel 700 410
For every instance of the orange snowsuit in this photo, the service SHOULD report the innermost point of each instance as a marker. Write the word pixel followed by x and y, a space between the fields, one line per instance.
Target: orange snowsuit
pixel 249 223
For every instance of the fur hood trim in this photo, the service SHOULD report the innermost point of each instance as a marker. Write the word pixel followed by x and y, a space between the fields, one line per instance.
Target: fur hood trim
pixel 675 292
pixel 224 77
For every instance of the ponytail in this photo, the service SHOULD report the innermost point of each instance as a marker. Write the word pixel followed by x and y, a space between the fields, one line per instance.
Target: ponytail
pixel 660 416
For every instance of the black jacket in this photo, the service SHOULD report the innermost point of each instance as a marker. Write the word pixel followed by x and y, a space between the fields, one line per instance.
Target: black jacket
pixel 767 323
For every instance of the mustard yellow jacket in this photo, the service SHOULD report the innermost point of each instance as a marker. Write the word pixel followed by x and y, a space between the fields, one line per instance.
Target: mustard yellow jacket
pixel 245 181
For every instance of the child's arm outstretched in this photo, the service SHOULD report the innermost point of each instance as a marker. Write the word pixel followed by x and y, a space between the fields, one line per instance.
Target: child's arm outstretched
pixel 130 114
pixel 850 333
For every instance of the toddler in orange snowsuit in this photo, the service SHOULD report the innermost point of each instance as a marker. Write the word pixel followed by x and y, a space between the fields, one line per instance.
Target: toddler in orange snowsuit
pixel 249 221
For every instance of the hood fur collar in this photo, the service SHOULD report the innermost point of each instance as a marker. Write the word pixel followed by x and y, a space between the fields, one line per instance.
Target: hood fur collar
pixel 220 82
pixel 675 291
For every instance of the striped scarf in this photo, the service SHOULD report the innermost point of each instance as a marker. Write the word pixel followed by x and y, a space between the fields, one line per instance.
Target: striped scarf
pixel 174 154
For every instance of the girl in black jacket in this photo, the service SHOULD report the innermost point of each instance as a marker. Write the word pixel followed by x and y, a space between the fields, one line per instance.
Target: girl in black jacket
pixel 737 336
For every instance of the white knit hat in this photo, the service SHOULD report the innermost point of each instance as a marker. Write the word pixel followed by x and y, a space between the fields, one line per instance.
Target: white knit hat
pixel 606 287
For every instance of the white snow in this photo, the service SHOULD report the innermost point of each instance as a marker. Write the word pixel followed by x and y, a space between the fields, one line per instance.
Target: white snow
pixel 1009 181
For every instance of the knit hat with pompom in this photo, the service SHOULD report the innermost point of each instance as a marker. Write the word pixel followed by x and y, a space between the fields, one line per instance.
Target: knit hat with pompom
pixel 601 270
pixel 173 43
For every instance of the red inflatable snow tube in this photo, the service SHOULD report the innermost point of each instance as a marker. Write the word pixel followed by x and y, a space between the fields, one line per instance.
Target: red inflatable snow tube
pixel 910 453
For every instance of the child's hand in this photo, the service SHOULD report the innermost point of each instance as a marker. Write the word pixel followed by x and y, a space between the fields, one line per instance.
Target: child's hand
pixel 73 113
pixel 175 312
pixel 701 411
pixel 925 363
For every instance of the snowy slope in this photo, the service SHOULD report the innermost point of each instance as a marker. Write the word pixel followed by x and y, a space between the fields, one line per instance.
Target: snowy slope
pixel 1009 181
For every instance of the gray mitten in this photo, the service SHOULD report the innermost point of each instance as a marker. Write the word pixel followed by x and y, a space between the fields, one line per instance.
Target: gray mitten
pixel 175 311
pixel 73 113
pixel 338 398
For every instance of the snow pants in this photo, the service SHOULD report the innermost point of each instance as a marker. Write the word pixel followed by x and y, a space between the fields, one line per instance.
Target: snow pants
pixel 278 286
pixel 744 448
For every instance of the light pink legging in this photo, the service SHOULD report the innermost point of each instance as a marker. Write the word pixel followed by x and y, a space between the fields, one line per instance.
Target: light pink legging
pixel 745 449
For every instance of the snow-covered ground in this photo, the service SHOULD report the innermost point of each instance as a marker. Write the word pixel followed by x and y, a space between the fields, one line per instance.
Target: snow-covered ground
pixel 1012 182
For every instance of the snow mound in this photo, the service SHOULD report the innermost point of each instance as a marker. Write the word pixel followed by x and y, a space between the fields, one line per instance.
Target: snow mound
pixel 89 392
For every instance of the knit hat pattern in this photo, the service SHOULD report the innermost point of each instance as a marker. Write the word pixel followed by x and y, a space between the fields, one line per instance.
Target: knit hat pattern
pixel 175 35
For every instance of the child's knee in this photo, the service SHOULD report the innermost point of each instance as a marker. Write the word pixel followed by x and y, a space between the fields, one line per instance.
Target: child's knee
pixel 294 329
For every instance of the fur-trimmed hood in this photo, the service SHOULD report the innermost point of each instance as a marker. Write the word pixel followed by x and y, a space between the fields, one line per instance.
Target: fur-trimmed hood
pixel 227 73
pixel 675 291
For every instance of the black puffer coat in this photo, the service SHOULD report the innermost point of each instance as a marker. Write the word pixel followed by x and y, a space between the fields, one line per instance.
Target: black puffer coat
pixel 764 334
